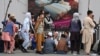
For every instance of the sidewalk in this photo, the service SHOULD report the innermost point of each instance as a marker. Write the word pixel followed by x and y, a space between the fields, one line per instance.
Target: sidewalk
pixel 32 53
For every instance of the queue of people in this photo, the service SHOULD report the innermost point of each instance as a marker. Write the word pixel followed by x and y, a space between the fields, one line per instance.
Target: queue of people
pixel 33 31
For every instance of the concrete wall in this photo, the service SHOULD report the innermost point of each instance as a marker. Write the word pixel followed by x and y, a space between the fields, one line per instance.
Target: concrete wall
pixel 17 7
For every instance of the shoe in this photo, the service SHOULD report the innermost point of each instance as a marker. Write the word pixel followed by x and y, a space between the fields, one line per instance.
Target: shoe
pixel 12 53
pixel 78 52
pixel 39 52
pixel 21 48
pixel 14 49
pixel 99 53
pixel 71 52
pixel 87 54
pixel 74 53
pixel 25 51
pixel 9 52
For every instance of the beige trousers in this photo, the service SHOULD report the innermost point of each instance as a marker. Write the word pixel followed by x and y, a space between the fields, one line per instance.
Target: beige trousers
pixel 87 46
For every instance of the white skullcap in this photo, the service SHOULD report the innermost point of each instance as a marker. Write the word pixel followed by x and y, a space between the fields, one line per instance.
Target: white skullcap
pixel 50 33
pixel 76 14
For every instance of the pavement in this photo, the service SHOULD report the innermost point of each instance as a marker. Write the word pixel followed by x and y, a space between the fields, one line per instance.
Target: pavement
pixel 32 53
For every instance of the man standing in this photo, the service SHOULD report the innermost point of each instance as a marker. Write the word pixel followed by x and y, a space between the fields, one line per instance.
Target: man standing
pixel 48 21
pixel 87 38
pixel 25 32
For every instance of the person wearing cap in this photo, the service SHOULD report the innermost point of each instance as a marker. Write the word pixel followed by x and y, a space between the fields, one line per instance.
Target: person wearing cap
pixel 49 44
pixel 75 38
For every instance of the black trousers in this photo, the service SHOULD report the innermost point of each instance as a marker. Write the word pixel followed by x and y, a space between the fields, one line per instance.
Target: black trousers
pixel 1 43
pixel 98 50
pixel 75 41
pixel 94 40
pixel 1 46
pixel 75 46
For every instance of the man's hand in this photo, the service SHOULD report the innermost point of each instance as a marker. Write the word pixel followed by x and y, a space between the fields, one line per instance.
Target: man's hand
pixel 81 31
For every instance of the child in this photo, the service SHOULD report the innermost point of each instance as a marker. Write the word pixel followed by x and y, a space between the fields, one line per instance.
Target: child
pixel 32 39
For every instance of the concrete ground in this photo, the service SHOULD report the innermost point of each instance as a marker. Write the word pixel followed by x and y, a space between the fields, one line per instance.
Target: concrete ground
pixel 32 53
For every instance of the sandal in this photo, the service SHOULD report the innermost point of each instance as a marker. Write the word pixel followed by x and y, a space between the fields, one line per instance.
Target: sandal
pixel 8 52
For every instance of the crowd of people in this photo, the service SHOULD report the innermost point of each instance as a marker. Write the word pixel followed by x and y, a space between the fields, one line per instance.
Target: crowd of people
pixel 32 32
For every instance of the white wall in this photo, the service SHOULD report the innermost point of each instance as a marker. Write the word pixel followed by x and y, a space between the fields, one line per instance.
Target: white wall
pixel 94 5
pixel 17 7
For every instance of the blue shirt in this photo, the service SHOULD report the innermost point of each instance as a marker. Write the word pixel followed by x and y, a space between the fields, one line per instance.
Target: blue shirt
pixel 5 22
pixel 75 26
pixel 9 28
pixel 49 45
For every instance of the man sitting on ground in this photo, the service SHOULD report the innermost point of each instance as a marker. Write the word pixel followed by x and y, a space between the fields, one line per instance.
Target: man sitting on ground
pixel 49 44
